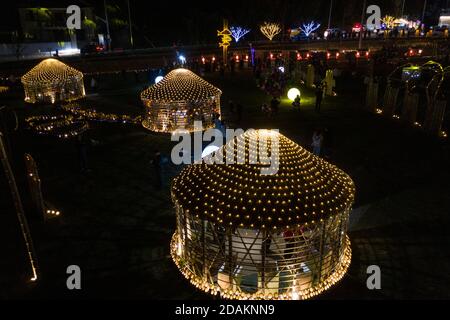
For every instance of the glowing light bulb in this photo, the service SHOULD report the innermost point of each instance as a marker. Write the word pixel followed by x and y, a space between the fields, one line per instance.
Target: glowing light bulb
pixel 293 93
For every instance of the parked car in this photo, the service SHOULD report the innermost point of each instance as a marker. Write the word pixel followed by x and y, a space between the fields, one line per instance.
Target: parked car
pixel 333 54
pixel 303 55
pixel 414 52
pixel 362 53
pixel 92 48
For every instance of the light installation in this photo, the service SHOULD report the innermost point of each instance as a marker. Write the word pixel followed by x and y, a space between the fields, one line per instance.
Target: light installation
pixel 238 32
pixel 178 100
pixel 293 93
pixel 225 41
pixel 310 27
pixel 270 29
pixel 244 235
pixel 52 81
pixel 158 79
pixel 388 21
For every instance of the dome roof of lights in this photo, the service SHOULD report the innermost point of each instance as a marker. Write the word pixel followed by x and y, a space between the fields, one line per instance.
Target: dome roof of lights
pixel 50 71
pixel 304 189
pixel 180 85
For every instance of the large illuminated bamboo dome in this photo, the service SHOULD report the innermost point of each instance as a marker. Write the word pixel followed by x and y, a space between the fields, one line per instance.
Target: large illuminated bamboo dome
pixel 247 235
pixel 52 81
pixel 178 100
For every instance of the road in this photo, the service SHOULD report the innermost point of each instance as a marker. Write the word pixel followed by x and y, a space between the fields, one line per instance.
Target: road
pixel 141 59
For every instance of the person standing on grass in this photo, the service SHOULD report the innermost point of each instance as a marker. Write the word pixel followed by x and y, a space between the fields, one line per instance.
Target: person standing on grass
pixel 317 141
pixel 296 102
pixel 82 146
pixel 319 97
pixel 93 84
pixel 274 103
pixel 327 144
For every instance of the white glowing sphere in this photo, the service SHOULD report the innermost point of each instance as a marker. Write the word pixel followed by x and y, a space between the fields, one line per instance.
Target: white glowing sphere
pixel 158 79
pixel 208 150
pixel 293 93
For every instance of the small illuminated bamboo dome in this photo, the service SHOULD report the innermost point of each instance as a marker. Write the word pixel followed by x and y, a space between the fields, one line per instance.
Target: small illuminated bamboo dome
pixel 3 89
pixel 245 235
pixel 178 100
pixel 52 81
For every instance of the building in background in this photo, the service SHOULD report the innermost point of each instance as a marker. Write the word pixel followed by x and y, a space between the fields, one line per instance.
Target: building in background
pixel 48 25
pixel 444 18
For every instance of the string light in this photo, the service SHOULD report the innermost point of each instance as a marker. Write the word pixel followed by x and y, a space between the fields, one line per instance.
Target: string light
pixel 93 115
pixel 388 21
pixel 270 29
pixel 238 32
pixel 52 81
pixel 310 27
pixel 225 40
pixel 179 99
pixel 306 201
pixel 60 126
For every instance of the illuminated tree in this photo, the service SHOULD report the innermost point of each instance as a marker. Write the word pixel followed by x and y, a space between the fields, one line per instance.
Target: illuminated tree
pixel 388 21
pixel 238 32
pixel 270 29
pixel 308 28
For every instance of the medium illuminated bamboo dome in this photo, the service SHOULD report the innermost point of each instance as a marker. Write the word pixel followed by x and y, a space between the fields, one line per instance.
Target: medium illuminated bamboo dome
pixel 52 81
pixel 178 100
pixel 247 235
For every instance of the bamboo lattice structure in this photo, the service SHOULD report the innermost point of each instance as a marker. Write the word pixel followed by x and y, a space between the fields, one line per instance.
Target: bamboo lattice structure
pixel 178 100
pixel 52 81
pixel 245 235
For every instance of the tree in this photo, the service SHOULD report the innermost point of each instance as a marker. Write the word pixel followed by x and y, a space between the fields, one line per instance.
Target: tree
pixel 388 21
pixel 238 32
pixel 270 29
pixel 308 28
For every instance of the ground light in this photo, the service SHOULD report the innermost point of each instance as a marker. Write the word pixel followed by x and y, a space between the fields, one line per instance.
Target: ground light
pixel 293 93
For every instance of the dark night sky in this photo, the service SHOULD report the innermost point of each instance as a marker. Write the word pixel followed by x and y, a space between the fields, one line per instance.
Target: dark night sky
pixel 190 22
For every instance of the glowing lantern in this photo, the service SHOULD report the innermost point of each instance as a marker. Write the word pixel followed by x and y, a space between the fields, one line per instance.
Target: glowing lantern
pixel 293 93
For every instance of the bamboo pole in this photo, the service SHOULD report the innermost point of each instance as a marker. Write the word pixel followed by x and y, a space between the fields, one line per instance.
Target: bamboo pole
pixel 19 210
